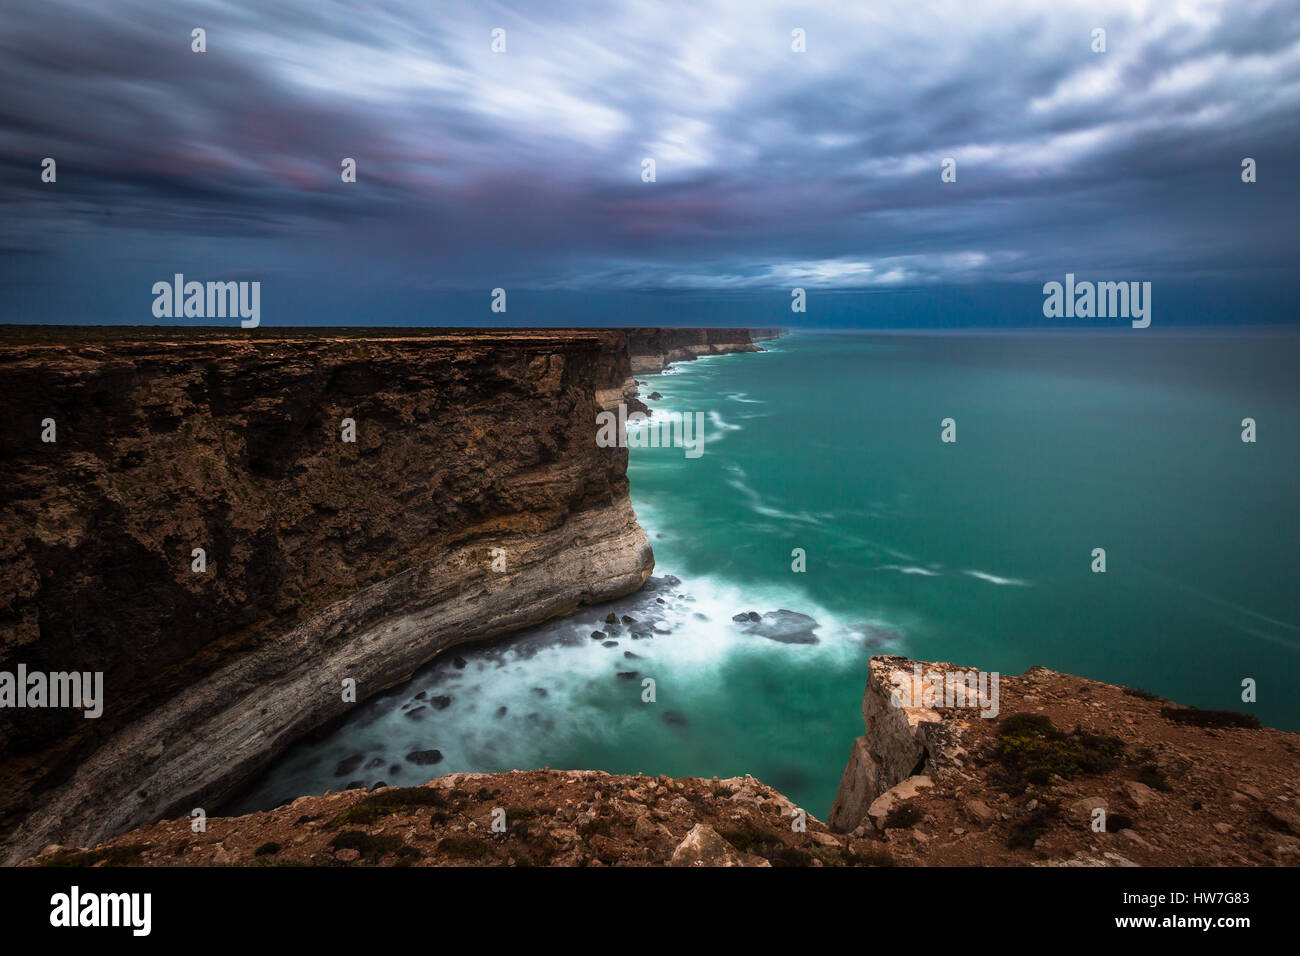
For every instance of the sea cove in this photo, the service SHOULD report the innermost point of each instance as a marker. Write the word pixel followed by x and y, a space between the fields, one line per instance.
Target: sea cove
pixel 973 551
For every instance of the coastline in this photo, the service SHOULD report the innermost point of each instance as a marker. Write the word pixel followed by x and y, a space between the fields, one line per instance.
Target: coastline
pixel 210 716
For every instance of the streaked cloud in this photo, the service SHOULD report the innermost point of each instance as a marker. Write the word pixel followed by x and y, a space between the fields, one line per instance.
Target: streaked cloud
pixel 524 169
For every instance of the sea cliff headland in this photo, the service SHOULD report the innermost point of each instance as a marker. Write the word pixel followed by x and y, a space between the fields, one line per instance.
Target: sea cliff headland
pixel 247 532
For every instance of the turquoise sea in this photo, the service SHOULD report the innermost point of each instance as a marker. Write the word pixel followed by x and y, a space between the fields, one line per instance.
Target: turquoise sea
pixel 977 551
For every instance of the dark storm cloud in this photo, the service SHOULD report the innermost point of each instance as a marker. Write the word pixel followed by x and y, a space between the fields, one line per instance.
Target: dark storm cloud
pixel 774 167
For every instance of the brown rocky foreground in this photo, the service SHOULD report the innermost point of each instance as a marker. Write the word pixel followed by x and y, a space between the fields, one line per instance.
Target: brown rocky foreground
pixel 924 786
pixel 551 818
pixel 1177 786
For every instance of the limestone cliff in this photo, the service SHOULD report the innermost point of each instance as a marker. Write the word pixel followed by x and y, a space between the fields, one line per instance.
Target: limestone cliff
pixel 653 350
pixel 326 560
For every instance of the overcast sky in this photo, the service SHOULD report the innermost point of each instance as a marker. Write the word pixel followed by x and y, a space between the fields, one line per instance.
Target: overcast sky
pixel 523 169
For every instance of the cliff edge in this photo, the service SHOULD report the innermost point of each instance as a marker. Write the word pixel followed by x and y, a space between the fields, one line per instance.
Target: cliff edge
pixel 361 502
pixel 1068 771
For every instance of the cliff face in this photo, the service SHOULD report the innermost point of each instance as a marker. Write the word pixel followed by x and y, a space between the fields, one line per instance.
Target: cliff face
pixel 326 560
pixel 654 349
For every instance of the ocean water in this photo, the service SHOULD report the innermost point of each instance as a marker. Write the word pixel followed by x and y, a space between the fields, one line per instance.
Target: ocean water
pixel 977 552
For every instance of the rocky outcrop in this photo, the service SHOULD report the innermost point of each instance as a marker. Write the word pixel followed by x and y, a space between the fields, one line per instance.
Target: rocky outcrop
pixel 1066 771
pixel 472 502
pixel 542 817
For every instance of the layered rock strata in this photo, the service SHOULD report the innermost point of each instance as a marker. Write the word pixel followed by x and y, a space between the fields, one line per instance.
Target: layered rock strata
pixel 473 501
pixel 653 350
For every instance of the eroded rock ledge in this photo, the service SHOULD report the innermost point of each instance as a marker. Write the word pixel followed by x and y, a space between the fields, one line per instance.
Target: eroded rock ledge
pixel 550 818
pixel 1175 786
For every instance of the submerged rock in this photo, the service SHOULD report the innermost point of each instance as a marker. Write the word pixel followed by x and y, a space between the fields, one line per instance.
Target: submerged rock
pixel 441 702
pixel 787 627
pixel 875 635
pixel 423 758
pixel 610 644
pixel 348 764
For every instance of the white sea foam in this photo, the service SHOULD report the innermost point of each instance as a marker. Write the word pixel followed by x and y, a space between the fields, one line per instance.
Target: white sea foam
pixel 688 643
pixel 994 579
pixel 907 569
pixel 758 505
pixel 718 422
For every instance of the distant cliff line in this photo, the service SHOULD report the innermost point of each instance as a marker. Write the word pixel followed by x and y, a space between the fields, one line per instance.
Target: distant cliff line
pixel 324 560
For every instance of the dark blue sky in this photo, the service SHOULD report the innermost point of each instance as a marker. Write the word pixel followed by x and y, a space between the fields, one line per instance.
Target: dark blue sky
pixel 522 169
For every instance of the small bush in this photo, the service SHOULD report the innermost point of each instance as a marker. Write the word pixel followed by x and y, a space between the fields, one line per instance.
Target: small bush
pixel 1142 694
pixel 370 847
pixel 464 847
pixel 369 809
pixel 1195 717
pixel 112 855
pixel 1031 750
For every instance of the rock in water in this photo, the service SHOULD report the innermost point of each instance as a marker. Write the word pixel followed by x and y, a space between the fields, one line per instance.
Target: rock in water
pixel 422 758
pixel 788 627
pixel 348 764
